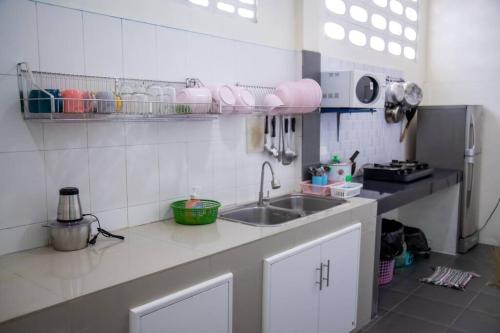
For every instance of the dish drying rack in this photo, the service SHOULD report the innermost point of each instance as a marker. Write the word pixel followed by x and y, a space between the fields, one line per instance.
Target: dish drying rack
pixel 126 109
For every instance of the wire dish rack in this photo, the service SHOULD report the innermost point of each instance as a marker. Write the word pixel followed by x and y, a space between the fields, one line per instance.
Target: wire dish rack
pixel 46 96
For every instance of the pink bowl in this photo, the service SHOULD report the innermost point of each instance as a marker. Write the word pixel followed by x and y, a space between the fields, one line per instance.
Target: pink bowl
pixel 198 99
pixel 272 103
pixel 222 94
pixel 244 99
pixel 286 93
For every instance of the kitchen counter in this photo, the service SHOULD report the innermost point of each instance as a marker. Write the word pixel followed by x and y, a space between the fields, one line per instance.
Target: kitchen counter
pixel 40 278
pixel 391 195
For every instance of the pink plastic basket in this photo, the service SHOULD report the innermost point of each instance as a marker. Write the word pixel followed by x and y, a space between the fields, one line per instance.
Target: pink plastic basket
pixel 321 190
pixel 385 271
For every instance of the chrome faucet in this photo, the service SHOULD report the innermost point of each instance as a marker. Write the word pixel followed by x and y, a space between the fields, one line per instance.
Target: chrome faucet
pixel 275 184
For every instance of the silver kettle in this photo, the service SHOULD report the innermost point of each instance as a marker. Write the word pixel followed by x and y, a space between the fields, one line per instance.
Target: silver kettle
pixel 69 208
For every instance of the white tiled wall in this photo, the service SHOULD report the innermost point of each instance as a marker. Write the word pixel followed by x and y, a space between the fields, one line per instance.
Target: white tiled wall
pixel 128 173
pixel 376 140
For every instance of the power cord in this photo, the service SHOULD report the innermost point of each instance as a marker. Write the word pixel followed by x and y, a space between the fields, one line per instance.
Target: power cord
pixel 491 215
pixel 101 231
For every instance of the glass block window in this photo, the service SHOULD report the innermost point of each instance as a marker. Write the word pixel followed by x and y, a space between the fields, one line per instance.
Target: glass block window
pixel 244 9
pixel 383 26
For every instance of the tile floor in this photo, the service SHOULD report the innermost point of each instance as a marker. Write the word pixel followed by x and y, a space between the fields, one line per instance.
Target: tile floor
pixel 406 305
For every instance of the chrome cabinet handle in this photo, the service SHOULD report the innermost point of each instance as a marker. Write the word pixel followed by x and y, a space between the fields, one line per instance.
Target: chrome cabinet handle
pixel 320 269
pixel 327 279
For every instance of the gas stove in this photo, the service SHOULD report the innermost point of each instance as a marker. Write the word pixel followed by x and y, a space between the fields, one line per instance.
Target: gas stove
pixel 397 171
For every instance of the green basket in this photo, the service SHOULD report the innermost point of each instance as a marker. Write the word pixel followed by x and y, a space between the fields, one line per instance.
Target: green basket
pixel 194 216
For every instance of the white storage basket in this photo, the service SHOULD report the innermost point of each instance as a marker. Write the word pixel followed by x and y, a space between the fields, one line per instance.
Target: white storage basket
pixel 346 190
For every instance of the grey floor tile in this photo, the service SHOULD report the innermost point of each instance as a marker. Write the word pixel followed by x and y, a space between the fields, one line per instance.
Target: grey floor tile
pixel 490 289
pixel 485 269
pixel 436 312
pixel 477 322
pixel 481 252
pixel 446 295
pixel 382 312
pixel 398 323
pixel 424 267
pixel 423 311
pixel 478 283
pixel 390 298
pixel 403 284
pixel 486 303
pixel 453 330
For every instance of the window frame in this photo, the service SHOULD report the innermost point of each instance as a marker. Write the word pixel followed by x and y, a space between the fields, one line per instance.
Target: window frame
pixel 348 23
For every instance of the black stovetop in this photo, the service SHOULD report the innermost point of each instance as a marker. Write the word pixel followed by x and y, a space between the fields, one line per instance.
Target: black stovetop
pixel 397 171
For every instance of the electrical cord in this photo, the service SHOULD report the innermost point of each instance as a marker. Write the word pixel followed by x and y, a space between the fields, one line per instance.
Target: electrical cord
pixel 101 231
pixel 491 215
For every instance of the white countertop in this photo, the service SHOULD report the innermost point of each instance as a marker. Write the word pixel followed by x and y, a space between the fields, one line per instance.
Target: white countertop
pixel 35 279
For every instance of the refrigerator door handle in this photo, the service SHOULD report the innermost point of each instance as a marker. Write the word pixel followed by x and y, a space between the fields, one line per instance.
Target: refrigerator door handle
pixel 471 142
pixel 469 180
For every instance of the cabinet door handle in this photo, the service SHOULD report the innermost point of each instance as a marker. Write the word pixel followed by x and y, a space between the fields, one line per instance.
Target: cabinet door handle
pixel 320 269
pixel 327 279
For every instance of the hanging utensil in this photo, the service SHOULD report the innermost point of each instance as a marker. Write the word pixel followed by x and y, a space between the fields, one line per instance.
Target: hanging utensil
pixel 410 114
pixel 267 137
pixel 293 151
pixel 287 157
pixel 274 149
pixel 281 146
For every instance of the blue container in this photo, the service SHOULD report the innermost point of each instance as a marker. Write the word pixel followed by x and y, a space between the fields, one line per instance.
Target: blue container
pixel 324 180
pixel 39 101
pixel 317 180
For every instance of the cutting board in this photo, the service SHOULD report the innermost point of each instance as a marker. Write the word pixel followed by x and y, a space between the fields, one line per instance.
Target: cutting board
pixel 255 133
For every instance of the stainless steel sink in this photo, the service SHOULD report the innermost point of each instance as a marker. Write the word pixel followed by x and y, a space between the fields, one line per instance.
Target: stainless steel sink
pixel 280 210
pixel 306 204
pixel 261 215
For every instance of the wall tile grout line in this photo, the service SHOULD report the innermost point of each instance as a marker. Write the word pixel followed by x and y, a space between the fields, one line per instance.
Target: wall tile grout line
pixel 23 225
pixel 38 37
pixel 88 165
pixel 83 44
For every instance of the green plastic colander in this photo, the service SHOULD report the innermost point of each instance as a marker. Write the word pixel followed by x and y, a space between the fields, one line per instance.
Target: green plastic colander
pixel 194 216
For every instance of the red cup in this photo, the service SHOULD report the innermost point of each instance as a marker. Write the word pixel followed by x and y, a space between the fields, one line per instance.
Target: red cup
pixel 73 101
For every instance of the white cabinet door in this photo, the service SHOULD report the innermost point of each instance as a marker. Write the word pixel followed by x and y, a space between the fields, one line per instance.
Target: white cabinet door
pixel 339 295
pixel 290 297
pixel 203 308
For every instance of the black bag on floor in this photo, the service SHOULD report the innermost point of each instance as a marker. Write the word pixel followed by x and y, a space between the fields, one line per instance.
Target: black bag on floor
pixel 416 241
pixel 392 241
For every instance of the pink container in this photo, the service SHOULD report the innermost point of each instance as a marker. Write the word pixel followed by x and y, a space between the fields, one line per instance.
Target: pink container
pixel 385 271
pixel 301 96
pixel 320 190
pixel 73 101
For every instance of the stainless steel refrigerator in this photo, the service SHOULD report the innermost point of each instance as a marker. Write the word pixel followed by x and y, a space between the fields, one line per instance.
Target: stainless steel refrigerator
pixel 450 137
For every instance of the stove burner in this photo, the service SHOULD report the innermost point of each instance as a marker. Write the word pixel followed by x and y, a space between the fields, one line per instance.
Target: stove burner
pixel 401 171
